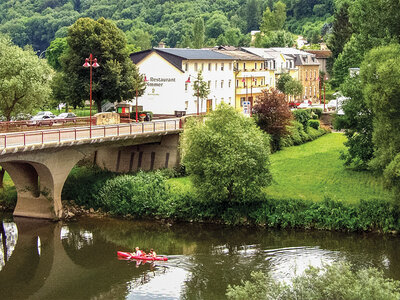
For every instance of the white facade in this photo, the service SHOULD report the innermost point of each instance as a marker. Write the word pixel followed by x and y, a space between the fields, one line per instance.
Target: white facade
pixel 220 78
pixel 167 90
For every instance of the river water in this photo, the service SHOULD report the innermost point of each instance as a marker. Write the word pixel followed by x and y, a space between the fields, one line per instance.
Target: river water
pixel 78 260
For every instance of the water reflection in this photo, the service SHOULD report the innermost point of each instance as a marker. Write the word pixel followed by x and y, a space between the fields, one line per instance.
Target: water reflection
pixel 45 260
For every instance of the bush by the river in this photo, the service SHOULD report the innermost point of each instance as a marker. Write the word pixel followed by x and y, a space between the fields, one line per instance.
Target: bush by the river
pixel 338 281
pixel 148 195
pixel 136 195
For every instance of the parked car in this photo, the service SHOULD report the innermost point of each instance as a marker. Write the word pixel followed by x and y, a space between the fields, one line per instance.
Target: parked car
pixel 66 117
pixel 40 120
pixel 305 104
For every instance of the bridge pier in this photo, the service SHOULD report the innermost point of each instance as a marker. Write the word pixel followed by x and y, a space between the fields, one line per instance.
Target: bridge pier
pixel 39 179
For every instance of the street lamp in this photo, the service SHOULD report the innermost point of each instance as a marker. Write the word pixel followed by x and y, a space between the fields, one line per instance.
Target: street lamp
pixel 136 87
pixel 198 92
pixel 90 63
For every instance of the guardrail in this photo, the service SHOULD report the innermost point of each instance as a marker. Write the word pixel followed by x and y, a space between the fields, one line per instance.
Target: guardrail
pixel 39 137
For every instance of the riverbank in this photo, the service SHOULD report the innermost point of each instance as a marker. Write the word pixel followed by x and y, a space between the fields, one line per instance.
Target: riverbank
pixel 311 189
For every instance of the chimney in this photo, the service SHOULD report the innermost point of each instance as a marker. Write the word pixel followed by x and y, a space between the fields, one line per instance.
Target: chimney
pixel 161 44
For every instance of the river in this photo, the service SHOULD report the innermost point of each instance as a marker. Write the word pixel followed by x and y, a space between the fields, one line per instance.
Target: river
pixel 77 260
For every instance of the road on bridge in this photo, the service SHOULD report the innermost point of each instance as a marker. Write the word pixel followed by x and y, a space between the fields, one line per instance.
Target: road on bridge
pixel 39 137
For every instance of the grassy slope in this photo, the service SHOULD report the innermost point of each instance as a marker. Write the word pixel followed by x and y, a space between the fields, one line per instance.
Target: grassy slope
pixel 314 170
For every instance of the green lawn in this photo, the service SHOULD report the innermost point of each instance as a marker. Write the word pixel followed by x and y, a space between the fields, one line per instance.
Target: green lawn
pixel 313 171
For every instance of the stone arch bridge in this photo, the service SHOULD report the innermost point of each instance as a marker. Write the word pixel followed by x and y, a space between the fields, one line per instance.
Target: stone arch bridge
pixel 40 161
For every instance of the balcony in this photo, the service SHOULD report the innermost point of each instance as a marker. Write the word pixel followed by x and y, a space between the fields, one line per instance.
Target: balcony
pixel 249 90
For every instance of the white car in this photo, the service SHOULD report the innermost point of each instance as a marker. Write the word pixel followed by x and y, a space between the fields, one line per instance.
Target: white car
pixel 41 120
pixel 305 104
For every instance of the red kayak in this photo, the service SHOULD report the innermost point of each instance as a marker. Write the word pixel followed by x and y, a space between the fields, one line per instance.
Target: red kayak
pixel 128 255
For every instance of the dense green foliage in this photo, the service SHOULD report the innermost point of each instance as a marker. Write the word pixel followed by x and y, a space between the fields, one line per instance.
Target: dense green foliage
pixel 25 80
pixel 337 281
pixel 138 195
pixel 227 156
pixel 116 79
pixel 372 24
pixel 357 125
pixel 39 22
pixel 380 75
pixel 289 86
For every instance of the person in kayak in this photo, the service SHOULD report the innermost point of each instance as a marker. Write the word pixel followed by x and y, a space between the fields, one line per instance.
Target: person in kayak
pixel 139 252
pixel 152 253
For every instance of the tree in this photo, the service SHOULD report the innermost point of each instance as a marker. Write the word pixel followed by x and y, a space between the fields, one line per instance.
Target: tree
pixel 289 86
pixel 278 38
pixel 200 89
pixel 137 85
pixel 357 125
pixel 253 14
pixel 112 80
pixel 198 33
pixel 273 115
pixel 273 20
pixel 139 38
pixel 54 51
pixel 216 25
pixel 341 33
pixel 227 157
pixel 380 76
pixel 25 82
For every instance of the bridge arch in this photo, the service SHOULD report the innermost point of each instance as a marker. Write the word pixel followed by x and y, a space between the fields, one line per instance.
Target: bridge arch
pixel 39 179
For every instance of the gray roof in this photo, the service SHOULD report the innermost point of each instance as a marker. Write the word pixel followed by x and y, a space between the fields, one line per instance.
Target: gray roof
pixel 195 53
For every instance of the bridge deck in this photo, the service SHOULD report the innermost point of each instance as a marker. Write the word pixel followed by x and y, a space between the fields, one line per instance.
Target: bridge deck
pixel 62 135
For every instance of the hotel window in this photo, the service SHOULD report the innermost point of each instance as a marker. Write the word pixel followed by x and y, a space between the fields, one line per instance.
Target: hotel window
pixel 255 81
pixel 222 84
pixel 216 66
pixel 229 83
pixel 209 67
pixel 310 91
pixel 315 74
pixel 195 67
pixel 209 83
pixel 230 100
pixel 244 66
pixel 230 66
pixel 186 67
pixel 186 86
pixel 202 66
pixel 237 83
pixel 242 99
pixel 222 66
pixel 306 75
pixel 255 66
pixel 262 81
pixel 216 84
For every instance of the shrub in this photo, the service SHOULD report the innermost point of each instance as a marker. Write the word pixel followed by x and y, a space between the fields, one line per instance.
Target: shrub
pixel 314 124
pixel 337 281
pixel 272 114
pixel 317 111
pixel 227 156
pixel 302 116
pixel 8 198
pixel 83 184
pixel 138 195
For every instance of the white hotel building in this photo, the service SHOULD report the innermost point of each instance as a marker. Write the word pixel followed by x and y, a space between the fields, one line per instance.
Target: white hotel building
pixel 167 71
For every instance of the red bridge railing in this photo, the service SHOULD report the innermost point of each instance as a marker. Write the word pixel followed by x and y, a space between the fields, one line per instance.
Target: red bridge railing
pixel 39 137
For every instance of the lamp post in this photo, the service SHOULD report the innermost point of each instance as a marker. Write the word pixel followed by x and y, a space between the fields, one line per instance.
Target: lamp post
pixel 198 92
pixel 137 86
pixel 90 63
